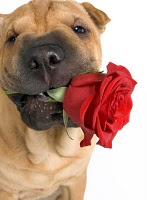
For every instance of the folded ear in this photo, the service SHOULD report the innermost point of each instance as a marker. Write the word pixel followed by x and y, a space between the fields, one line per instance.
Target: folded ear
pixel 98 16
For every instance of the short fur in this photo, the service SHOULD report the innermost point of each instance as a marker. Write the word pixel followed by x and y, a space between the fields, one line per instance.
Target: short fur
pixel 38 162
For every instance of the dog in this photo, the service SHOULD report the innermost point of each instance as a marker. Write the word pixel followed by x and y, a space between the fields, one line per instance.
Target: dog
pixel 43 45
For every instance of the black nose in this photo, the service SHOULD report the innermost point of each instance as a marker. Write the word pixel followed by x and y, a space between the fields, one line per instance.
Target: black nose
pixel 45 56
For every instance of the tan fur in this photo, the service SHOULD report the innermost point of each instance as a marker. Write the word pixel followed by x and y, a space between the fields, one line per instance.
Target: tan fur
pixel 37 164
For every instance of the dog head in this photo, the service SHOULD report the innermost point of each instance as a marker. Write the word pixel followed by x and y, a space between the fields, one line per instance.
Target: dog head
pixel 43 45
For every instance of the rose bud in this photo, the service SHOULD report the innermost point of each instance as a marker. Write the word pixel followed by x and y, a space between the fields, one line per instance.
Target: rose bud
pixel 100 103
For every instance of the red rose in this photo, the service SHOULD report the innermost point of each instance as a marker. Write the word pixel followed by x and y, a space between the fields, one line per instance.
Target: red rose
pixel 100 103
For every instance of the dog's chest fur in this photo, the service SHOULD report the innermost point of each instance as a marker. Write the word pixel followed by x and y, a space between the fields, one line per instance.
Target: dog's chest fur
pixel 41 168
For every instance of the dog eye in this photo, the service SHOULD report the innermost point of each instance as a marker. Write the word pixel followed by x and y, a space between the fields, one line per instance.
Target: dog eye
pixel 79 29
pixel 12 39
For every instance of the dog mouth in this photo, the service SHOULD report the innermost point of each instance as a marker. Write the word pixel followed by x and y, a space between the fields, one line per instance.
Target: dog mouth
pixel 37 112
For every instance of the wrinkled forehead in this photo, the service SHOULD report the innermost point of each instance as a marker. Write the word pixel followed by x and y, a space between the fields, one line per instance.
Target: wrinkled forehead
pixel 39 13
pixel 56 8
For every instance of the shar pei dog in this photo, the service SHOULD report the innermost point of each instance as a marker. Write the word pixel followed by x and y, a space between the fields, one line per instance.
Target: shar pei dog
pixel 43 45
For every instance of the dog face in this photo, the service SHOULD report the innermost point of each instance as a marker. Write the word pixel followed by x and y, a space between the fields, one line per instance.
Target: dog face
pixel 43 45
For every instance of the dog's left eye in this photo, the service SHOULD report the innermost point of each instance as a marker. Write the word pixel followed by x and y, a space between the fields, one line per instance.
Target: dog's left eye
pixel 12 39
pixel 79 29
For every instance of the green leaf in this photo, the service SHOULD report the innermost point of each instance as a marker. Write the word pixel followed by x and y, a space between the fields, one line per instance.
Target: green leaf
pixel 9 92
pixel 65 119
pixel 58 93
pixel 89 71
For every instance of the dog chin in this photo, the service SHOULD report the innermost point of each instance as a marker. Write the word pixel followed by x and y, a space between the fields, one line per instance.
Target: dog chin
pixel 37 114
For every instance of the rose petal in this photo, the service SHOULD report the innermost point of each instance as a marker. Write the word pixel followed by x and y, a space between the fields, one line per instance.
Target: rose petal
pixel 83 111
pixel 88 134
pixel 113 68
pixel 105 139
pixel 87 79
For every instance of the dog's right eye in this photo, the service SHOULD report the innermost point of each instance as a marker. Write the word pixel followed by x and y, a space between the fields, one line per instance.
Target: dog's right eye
pixel 79 29
pixel 12 39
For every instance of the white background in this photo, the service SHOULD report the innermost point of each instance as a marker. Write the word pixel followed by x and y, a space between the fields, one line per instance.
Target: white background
pixel 120 173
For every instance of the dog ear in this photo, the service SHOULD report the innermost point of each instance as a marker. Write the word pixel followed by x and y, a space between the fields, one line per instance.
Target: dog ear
pixel 98 16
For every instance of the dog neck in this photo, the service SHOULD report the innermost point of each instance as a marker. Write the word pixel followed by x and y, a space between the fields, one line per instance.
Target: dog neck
pixel 38 145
